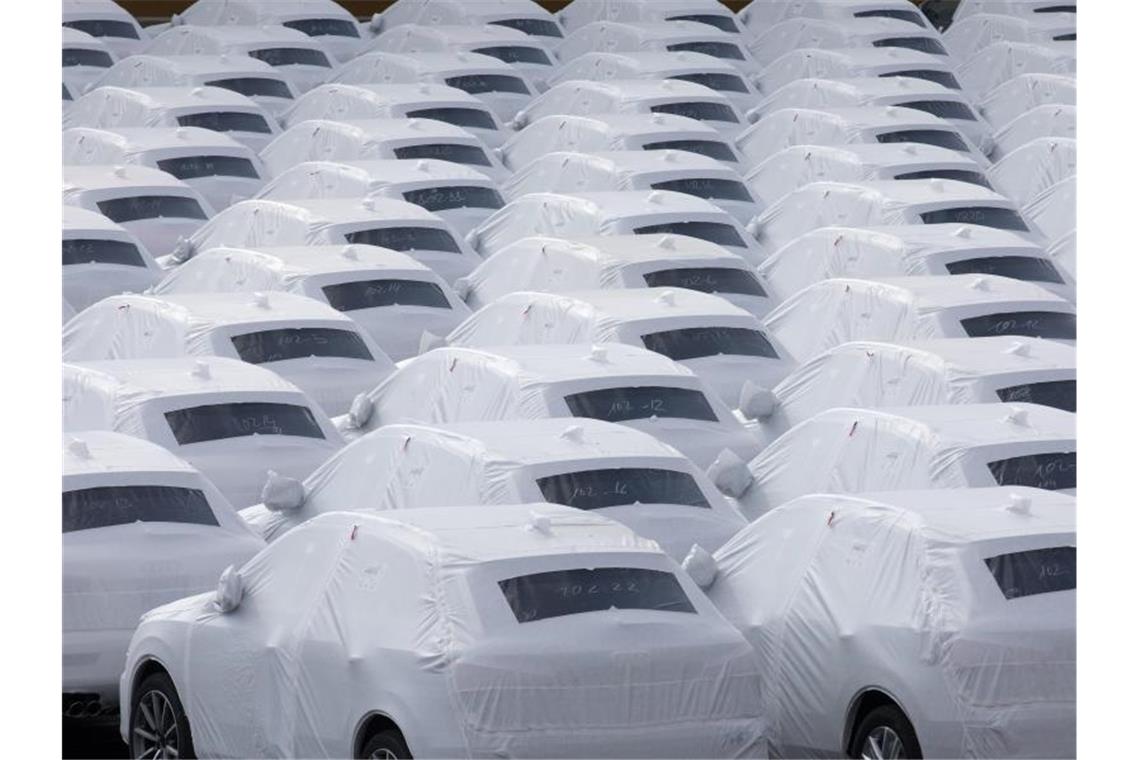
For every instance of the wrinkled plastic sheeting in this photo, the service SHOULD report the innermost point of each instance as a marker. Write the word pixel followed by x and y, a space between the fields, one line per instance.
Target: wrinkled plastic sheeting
pixel 1034 167
pixel 825 204
pixel 542 318
pixel 1063 252
pixel 1054 211
pixel 998 63
pixel 974 33
pixel 1043 121
pixel 1025 92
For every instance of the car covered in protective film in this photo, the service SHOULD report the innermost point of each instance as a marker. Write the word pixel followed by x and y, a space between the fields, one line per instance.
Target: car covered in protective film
pixel 708 12
pixel 996 64
pixel 849 63
pixel 1025 92
pixel 85 58
pixel 525 16
pixel 834 34
pixel 100 259
pixel 759 17
pixel 659 36
pixel 108 22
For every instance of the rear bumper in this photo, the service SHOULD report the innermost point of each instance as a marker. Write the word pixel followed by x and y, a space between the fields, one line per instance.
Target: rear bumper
pixel 93 662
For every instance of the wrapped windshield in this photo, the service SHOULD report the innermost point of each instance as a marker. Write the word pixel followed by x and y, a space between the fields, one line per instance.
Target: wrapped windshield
pixel 943 109
pixel 707 187
pixel 471 155
pixel 985 216
pixel 1052 471
pixel 707 280
pixel 698 110
pixel 939 138
pixel 150 207
pixel 226 121
pixel 944 78
pixel 1034 324
pixel 921 44
pixel 723 23
pixel 299 343
pixel 713 232
pixel 193 167
pixel 370 294
pixel 536 27
pixel 959 175
pixel 85 57
pixel 323 27
pixel 96 251
pixel 477 84
pixel 254 86
pixel 910 16
pixel 455 196
pixel 715 49
pixel 1059 394
pixel 571 592
pixel 515 54
pixel 101 27
pixel 459 117
pixel 1037 571
pixel 406 239
pixel 621 404
pixel 290 56
pixel 697 342
pixel 715 81
pixel 214 422
pixel 710 148
pixel 598 489
pixel 1030 268
pixel 103 507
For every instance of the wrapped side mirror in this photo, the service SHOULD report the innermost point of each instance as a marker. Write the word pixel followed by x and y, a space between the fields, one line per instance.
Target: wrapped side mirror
pixel 701 566
pixel 757 402
pixel 230 590
pixel 360 411
pixel 282 494
pixel 730 474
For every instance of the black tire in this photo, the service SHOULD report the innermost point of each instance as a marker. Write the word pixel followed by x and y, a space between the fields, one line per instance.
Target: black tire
pixel 386 744
pixel 888 720
pixel 156 702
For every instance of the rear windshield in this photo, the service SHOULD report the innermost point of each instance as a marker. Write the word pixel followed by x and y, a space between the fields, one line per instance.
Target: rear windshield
pixel 698 110
pixel 459 117
pixel 1030 268
pixel 715 81
pixel 715 49
pixel 536 27
pixel 455 196
pixel 370 294
pixel 1047 9
pixel 252 86
pixel 620 404
pixel 910 16
pixel 150 207
pixel 1070 37
pixel 226 121
pixel 1034 324
pixel 86 57
pixel 713 232
pixel 477 84
pixel 192 167
pixel 1059 394
pixel 723 23
pixel 472 155
pixel 944 78
pixel 1050 471
pixel 89 508
pixel 707 280
pixel 406 239
pixel 516 54
pixel 100 27
pixel 710 148
pixel 937 137
pixel 291 56
pixel 299 343
pixel 921 44
pixel 213 422
pixel 598 589
pixel 707 187
pixel 960 175
pixel 695 342
pixel 1038 571
pixel 96 251
pixel 598 489
pixel 943 109
pixel 324 27
pixel 986 216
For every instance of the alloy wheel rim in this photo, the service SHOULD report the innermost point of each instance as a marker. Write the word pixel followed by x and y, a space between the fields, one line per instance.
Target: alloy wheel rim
pixel 882 744
pixel 155 728
pixel 383 754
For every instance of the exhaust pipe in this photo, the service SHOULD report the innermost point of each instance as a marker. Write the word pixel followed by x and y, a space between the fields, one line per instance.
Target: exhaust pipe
pixel 94 708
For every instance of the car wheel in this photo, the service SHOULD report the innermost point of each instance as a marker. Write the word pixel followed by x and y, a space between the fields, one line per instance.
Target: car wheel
pixel 386 745
pixel 885 734
pixel 159 727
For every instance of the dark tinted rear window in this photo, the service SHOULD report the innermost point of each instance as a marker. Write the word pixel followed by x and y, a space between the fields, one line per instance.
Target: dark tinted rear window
pixel 324 27
pixel 226 121
pixel 986 216
pixel 1030 268
pixel 714 232
pixel 715 49
pixel 1038 571
pixel 369 294
pixel 299 343
pixel 460 117
pixel 707 280
pixel 944 78
pixel 1070 37
pixel 192 167
pixel 471 155
pixel 150 207
pixel 537 27
pixel 515 54
pixel 1034 324
pixel 1051 471
pixel 572 592
pixel 406 239
pixel 253 86
pixel 290 56
pixel 698 110
pixel 1056 9
pixel 960 175
pixel 695 342
pixel 217 421
pixel 715 81
pixel 937 137
pixel 921 44
pixel 455 196
pixel 901 15
pixel 86 57
pixel 707 187
pixel 98 27
pixel 943 109
pixel 620 404
pixel 95 251
pixel 597 489
pixel 103 507
pixel 710 148
pixel 1059 394
pixel 476 84
pixel 723 23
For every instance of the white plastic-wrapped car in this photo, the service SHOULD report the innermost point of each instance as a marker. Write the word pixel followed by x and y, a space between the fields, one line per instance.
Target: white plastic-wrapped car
pixel 912 623
pixel 625 212
pixel 101 258
pixel 935 249
pixel 996 64
pixel 1043 121
pixel 157 208
pixel 432 633
pixel 1025 92
pixel 365 139
pixel 834 34
pixel 605 171
pixel 211 108
pixel 1063 252
pixel 391 296
pixel 708 12
pixel 618 262
pixel 847 63
pixel 141 528
pixel 869 374
pixel 615 383
pixel 956 446
pixel 972 34
pixel 758 17
pixel 308 343
pixel 1033 168
pixel 231 420
pixel 723 344
pixel 461 196
pixel 220 168
pixel 341 102
pixel 528 17
pixel 660 36
pixel 386 222
pixel 1054 210
pixel 1019 8
pixel 107 21
pixel 830 312
pixel 612 470
pixel 85 58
